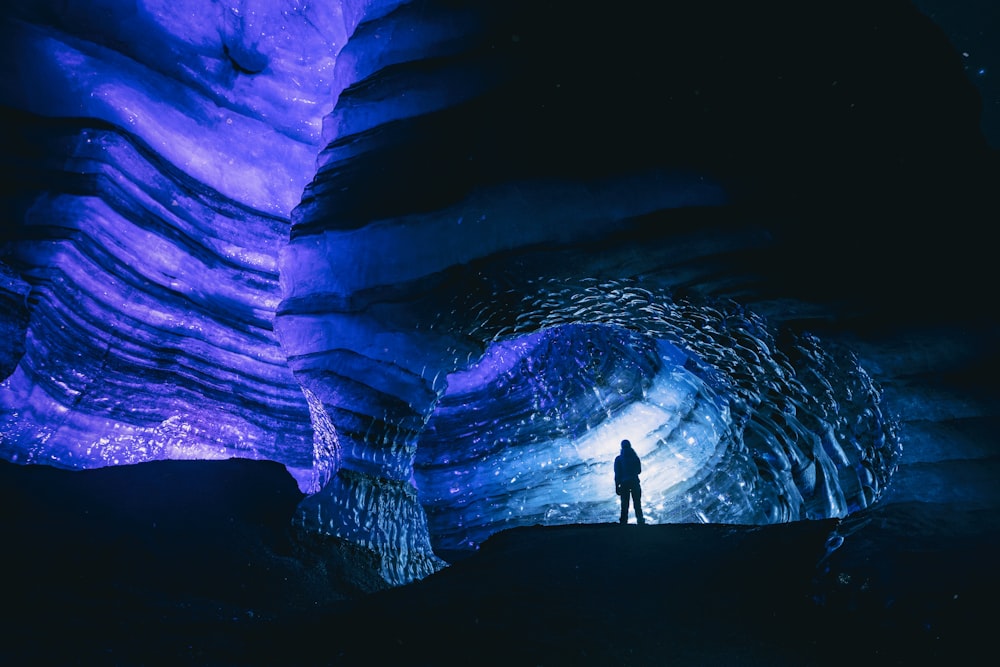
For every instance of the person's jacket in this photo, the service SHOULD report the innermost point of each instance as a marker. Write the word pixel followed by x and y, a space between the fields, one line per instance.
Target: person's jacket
pixel 627 467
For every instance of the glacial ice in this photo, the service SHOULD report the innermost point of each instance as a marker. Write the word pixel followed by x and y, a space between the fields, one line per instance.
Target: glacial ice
pixel 206 264
pixel 730 426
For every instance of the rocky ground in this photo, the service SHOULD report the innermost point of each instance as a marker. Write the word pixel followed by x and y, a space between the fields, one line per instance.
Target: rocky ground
pixel 196 563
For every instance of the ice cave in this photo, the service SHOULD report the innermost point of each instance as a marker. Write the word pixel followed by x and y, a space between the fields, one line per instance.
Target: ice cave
pixel 437 258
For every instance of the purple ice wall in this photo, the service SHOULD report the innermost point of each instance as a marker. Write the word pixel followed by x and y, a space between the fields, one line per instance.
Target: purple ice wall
pixel 162 147
pixel 436 260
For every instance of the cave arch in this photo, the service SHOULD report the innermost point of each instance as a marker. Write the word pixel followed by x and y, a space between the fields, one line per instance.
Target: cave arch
pixel 739 425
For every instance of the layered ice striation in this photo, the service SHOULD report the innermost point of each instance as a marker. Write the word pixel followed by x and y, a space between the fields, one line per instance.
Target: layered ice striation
pixel 415 252
pixel 157 150
pixel 731 426
pixel 151 306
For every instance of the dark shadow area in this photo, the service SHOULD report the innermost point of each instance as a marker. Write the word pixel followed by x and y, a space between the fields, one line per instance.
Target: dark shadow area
pixel 196 563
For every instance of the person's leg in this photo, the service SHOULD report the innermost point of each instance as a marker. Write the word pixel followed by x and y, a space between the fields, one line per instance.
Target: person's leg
pixel 625 497
pixel 637 500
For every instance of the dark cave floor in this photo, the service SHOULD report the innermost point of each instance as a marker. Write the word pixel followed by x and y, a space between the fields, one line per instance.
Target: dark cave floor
pixel 193 563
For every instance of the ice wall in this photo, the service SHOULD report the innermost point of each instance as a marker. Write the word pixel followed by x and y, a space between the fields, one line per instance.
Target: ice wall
pixel 460 294
pixel 157 151
pixel 438 259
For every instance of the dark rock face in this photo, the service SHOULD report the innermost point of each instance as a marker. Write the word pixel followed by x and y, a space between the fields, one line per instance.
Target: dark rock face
pixel 104 564
pixel 526 225
pixel 166 535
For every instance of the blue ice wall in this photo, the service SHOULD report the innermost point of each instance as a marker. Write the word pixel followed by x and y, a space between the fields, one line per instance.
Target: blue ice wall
pixel 439 260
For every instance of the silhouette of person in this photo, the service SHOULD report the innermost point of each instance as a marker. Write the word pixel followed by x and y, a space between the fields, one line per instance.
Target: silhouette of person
pixel 627 469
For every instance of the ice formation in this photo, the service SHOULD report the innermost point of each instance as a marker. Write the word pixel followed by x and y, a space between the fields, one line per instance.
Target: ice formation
pixel 367 240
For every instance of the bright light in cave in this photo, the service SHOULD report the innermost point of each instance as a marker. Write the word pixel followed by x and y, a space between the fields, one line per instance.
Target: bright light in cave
pixel 729 428
pixel 568 396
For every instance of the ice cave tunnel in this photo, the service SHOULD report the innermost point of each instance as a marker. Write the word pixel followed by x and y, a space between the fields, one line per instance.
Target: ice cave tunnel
pixel 437 258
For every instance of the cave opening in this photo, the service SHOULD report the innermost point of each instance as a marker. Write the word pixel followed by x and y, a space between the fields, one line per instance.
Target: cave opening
pixel 732 426
pixel 528 433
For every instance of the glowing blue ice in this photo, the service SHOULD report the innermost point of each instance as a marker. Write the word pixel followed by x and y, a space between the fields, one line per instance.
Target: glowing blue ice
pixel 188 285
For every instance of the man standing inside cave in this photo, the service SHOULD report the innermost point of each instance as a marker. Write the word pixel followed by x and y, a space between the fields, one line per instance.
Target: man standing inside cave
pixel 627 469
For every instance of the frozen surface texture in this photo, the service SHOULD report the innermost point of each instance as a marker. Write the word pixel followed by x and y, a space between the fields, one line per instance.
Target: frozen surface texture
pixel 438 259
